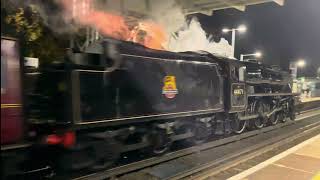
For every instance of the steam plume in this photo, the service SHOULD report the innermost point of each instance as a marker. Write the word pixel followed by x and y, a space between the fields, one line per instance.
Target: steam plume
pixel 194 38
pixel 164 28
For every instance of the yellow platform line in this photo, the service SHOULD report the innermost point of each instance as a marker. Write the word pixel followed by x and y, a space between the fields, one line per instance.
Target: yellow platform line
pixel 317 177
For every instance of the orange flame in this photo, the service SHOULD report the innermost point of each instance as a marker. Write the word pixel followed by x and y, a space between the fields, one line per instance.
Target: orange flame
pixel 154 35
pixel 146 33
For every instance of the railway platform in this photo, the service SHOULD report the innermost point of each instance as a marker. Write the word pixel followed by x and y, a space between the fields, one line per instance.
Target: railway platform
pixel 301 162
pixel 309 99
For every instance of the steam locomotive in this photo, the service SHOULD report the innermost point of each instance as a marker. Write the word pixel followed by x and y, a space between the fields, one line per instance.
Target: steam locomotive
pixel 114 97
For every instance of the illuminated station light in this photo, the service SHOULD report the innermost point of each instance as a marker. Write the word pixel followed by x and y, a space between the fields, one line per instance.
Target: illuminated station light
pixel 301 63
pixel 257 54
pixel 240 29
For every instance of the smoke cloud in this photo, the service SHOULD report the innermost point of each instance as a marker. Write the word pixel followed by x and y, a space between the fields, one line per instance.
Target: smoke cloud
pixel 51 13
pixel 184 36
pixel 169 15
pixel 165 27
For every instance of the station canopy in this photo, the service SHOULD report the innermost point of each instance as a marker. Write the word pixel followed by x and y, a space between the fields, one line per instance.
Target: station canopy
pixel 208 6
pixel 144 7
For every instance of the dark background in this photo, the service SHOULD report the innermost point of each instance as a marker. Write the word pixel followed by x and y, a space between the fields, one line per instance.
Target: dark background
pixel 282 33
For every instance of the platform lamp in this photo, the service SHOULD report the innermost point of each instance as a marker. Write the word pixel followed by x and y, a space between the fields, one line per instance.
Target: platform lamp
pixel 240 29
pixel 295 65
pixel 258 54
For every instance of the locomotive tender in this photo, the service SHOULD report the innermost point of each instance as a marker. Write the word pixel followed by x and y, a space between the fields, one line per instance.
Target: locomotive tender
pixel 114 97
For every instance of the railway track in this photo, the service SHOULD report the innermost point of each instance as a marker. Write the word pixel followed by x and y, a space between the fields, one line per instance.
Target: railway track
pixel 216 168
pixel 173 165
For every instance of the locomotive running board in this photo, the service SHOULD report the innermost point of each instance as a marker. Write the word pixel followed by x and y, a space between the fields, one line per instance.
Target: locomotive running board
pixel 272 94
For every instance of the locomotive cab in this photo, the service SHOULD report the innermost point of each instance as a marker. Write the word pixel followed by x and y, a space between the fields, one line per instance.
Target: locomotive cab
pixel 235 93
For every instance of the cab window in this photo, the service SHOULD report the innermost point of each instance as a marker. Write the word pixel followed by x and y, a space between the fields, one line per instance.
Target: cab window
pixel 242 72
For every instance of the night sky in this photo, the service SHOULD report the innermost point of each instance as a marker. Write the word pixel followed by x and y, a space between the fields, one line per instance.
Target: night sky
pixel 282 33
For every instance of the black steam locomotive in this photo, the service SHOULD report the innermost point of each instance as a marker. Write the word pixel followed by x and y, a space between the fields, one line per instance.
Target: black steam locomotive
pixel 114 97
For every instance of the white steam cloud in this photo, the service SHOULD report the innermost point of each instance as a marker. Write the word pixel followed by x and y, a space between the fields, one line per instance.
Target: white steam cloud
pixel 194 38
pixel 183 36
pixel 169 15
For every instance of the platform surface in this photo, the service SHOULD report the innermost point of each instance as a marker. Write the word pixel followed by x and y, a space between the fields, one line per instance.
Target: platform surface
pixel 301 162
pixel 306 99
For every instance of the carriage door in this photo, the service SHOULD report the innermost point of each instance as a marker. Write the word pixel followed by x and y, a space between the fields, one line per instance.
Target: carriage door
pixel 11 101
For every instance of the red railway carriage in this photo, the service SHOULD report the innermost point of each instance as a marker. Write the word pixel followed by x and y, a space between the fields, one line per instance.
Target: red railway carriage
pixel 11 98
pixel 15 148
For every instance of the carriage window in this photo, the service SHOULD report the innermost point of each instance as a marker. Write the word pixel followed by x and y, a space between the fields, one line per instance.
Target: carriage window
pixel 3 75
